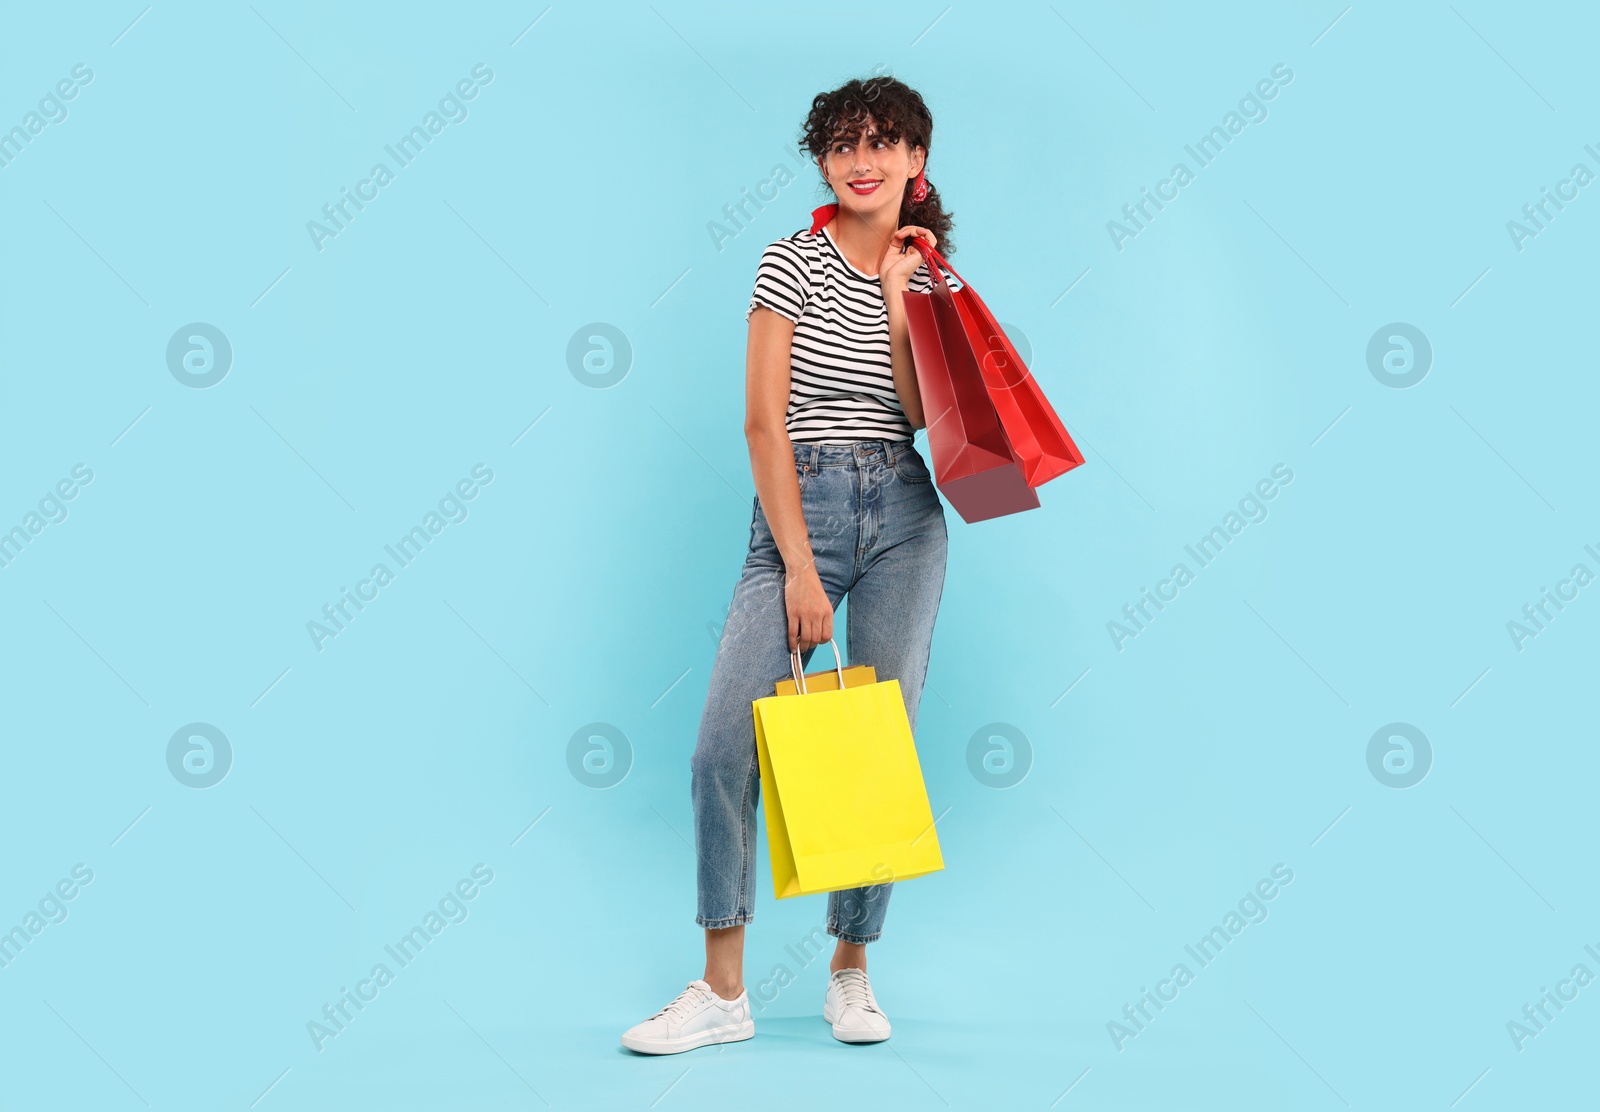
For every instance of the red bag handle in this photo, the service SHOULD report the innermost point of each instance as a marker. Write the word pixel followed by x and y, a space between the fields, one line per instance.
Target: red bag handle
pixel 934 260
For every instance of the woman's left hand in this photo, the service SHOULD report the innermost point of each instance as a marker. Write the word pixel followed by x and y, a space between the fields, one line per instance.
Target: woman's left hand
pixel 895 269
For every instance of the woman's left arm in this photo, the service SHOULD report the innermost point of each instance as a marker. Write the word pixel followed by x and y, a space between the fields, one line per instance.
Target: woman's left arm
pixel 894 275
pixel 905 371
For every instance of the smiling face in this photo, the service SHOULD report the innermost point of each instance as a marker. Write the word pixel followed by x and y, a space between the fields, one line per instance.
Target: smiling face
pixel 868 172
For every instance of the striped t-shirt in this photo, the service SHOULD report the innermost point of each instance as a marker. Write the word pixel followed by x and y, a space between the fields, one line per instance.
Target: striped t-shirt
pixel 841 382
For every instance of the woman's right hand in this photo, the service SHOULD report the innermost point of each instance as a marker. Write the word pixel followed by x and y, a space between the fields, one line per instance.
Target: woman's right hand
pixel 810 612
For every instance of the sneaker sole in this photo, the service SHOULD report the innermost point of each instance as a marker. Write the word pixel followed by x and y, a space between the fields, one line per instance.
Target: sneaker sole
pixel 733 1032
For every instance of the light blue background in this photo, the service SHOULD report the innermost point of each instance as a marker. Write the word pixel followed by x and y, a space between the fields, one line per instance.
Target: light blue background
pixel 591 577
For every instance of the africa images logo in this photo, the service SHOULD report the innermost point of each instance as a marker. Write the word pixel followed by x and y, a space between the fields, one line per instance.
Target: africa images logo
pixel 452 109
pixel 1252 908
pixel 452 510
pixel 1252 109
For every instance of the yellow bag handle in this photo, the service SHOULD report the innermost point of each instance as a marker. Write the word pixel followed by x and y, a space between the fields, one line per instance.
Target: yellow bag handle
pixel 799 677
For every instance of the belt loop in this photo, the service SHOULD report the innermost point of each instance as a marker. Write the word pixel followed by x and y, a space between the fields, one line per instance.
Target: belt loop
pixel 816 451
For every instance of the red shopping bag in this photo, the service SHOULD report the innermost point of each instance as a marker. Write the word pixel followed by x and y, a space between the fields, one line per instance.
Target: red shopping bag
pixel 973 464
pixel 1039 441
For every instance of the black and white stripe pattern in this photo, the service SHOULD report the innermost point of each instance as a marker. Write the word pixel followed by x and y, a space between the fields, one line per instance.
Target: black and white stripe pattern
pixel 841 384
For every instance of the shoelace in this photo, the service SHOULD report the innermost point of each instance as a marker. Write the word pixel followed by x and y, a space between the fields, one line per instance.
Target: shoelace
pixel 687 1000
pixel 854 989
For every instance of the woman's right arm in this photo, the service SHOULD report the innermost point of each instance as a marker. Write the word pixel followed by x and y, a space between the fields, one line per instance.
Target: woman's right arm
pixel 772 463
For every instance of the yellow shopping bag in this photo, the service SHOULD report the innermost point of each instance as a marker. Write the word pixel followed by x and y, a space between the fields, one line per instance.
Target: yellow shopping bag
pixel 840 783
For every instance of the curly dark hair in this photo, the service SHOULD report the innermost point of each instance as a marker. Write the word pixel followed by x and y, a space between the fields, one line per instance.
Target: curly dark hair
pixel 898 112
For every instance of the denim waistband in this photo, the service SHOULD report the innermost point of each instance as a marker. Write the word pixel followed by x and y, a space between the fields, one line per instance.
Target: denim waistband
pixel 857 453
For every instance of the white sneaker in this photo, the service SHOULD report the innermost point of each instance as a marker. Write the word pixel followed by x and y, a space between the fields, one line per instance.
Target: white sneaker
pixel 850 1006
pixel 697 1017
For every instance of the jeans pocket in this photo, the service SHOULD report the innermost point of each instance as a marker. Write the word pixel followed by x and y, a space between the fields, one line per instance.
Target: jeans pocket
pixel 911 467
pixel 762 544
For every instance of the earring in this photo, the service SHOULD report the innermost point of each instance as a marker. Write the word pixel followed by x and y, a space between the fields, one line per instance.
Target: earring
pixel 919 189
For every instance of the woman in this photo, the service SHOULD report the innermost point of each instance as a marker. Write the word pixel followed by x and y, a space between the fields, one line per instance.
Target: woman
pixel 844 504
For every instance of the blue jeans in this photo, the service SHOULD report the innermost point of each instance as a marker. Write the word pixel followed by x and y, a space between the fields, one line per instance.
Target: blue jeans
pixel 877 531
